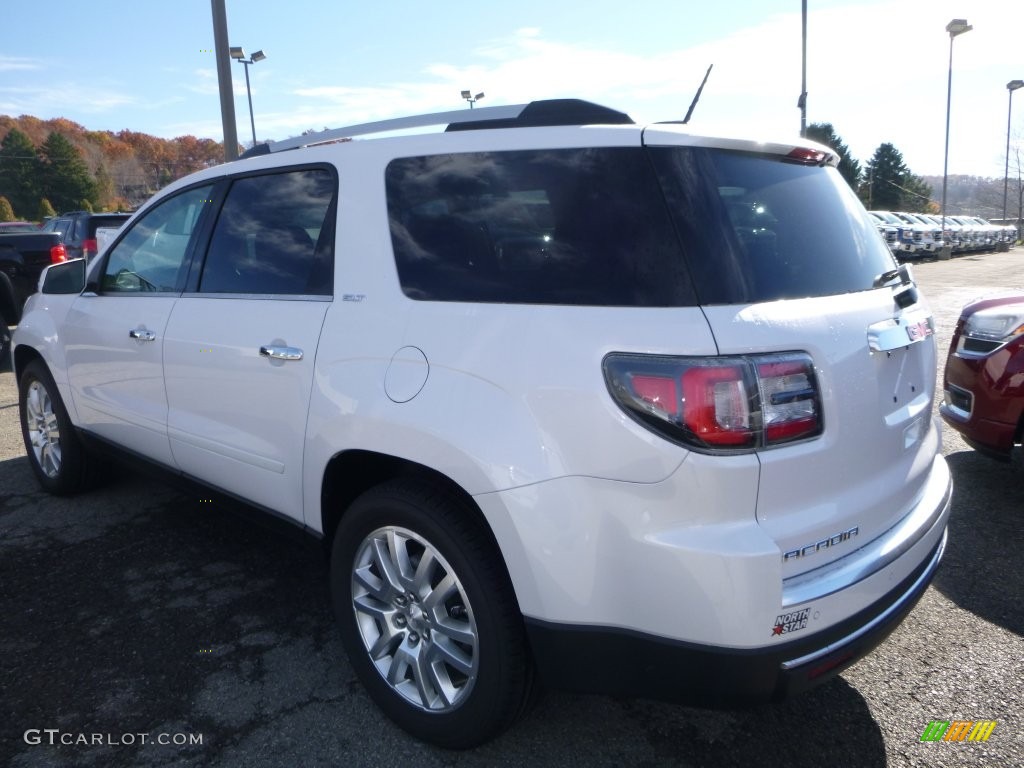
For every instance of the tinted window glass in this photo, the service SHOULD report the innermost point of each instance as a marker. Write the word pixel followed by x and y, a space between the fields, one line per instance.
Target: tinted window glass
pixel 274 236
pixel 758 228
pixel 151 256
pixel 579 226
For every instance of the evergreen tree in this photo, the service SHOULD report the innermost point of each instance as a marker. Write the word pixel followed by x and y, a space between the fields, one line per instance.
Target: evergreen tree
pixel 65 179
pixel 19 172
pixel 6 212
pixel 45 210
pixel 849 167
pixel 890 186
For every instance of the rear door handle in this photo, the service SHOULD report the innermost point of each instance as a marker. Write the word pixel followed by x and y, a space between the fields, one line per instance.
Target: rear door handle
pixel 142 334
pixel 281 353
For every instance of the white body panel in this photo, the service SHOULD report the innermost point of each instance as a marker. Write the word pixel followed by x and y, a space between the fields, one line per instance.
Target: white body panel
pixel 237 419
pixel 117 382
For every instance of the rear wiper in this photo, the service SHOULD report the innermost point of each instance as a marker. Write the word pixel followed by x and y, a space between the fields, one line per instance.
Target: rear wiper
pixel 906 295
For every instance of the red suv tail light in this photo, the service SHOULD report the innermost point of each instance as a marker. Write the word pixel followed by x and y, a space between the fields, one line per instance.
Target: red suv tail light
pixel 89 247
pixel 720 404
pixel 58 254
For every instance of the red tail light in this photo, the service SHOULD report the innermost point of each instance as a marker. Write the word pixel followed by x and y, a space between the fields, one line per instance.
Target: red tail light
pixel 720 403
pixel 58 254
pixel 716 406
pixel 89 248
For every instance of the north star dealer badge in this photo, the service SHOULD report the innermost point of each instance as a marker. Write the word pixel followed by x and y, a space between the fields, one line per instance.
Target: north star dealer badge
pixel 790 622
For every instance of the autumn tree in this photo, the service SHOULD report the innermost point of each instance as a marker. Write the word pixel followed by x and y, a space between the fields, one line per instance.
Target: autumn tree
pixel 65 177
pixel 849 167
pixel 6 212
pixel 19 171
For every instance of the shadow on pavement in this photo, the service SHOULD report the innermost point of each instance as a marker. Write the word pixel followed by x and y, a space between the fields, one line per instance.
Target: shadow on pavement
pixel 982 571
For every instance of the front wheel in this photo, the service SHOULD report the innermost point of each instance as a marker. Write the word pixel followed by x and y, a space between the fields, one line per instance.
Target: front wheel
pixel 59 460
pixel 427 615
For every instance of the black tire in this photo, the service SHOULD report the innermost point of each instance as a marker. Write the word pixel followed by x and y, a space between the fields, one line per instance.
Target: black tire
pixel 5 346
pixel 60 462
pixel 479 703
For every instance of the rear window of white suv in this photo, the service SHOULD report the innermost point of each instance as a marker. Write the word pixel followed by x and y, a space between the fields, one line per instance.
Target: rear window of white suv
pixel 673 226
pixel 763 227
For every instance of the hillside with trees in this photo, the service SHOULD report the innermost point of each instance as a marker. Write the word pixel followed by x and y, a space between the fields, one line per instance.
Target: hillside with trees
pixel 69 167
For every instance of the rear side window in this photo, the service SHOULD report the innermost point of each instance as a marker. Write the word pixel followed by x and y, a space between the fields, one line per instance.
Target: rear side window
pixel 577 226
pixel 274 235
pixel 756 228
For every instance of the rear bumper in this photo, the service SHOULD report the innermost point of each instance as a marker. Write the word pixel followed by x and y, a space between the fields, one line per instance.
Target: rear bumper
pixel 621 662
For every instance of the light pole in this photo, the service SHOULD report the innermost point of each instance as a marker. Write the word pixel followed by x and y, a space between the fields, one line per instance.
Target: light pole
pixel 467 95
pixel 802 101
pixel 239 54
pixel 1011 86
pixel 955 27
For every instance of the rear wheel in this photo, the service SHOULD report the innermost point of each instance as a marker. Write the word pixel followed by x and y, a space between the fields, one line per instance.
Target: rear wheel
pixel 57 456
pixel 427 615
pixel 5 345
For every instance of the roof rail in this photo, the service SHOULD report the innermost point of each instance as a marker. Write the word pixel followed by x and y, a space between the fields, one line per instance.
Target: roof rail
pixel 537 113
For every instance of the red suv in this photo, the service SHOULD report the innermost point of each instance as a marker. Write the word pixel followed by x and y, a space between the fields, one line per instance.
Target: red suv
pixel 984 379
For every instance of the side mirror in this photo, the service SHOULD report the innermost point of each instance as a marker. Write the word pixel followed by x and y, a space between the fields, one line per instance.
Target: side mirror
pixel 66 277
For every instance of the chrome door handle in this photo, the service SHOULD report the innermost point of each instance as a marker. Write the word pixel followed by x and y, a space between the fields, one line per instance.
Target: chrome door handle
pixel 282 353
pixel 142 334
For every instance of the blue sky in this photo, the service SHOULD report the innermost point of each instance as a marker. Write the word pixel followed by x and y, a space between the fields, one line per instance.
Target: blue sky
pixel 876 70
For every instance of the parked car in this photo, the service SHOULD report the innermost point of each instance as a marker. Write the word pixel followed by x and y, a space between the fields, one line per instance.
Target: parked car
pixel 23 256
pixel 925 231
pixel 12 227
pixel 78 230
pixel 591 405
pixel 984 377
pixel 905 242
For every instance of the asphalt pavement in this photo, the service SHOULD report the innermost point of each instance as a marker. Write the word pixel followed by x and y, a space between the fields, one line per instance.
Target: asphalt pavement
pixel 141 626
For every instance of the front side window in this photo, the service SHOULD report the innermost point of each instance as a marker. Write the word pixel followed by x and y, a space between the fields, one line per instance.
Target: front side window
pixel 567 226
pixel 152 255
pixel 274 235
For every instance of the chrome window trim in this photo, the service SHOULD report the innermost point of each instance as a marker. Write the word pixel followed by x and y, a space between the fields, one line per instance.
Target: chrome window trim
pixel 261 296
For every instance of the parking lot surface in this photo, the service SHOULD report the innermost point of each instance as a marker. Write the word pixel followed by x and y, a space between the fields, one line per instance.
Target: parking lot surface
pixel 141 626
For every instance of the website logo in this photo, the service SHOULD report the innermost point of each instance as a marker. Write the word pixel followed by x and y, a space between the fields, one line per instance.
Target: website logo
pixel 958 730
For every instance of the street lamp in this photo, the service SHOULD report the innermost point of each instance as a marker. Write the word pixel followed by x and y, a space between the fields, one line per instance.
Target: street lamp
pixel 239 55
pixel 955 27
pixel 1011 86
pixel 472 99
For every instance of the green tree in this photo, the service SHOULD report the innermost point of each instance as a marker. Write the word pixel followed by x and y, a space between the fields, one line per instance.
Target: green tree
pixel 65 179
pixel 889 184
pixel 45 210
pixel 849 167
pixel 6 212
pixel 19 171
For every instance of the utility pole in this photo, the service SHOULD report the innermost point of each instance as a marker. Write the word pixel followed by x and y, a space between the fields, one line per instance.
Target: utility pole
pixel 227 95
pixel 802 103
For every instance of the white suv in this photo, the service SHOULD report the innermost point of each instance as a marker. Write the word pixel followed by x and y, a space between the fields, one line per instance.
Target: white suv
pixel 623 408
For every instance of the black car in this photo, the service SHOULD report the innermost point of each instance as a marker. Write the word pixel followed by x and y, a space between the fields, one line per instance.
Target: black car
pixel 78 230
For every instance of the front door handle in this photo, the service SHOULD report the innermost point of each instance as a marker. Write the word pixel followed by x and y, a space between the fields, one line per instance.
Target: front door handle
pixel 142 334
pixel 281 353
